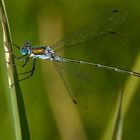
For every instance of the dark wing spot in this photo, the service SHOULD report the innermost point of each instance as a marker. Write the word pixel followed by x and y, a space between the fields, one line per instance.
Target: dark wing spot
pixel 74 101
pixel 115 10
pixel 113 32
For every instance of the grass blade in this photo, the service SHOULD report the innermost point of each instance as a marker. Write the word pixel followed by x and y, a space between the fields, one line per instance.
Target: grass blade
pixel 117 132
pixel 16 103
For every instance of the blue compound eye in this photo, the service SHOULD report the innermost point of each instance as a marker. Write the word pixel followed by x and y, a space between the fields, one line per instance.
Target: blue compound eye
pixel 23 51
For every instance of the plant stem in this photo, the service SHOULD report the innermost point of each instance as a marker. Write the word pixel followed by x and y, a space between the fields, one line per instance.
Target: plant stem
pixel 14 92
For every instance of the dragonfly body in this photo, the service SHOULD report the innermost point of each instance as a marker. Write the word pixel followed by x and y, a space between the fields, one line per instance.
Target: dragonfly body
pixel 41 52
pixel 45 52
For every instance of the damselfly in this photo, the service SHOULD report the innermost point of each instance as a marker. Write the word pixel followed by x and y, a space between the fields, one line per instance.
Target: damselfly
pixel 84 34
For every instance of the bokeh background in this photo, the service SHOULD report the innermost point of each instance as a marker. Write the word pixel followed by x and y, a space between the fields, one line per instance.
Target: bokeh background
pixel 50 112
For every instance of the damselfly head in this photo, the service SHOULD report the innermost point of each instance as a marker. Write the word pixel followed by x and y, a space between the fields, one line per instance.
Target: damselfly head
pixel 25 49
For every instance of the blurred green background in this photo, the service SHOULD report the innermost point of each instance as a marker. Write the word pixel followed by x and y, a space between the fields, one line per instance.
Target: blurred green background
pixel 50 111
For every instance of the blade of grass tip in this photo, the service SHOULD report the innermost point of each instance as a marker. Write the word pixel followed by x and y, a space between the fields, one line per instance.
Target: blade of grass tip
pixel 16 102
pixel 117 131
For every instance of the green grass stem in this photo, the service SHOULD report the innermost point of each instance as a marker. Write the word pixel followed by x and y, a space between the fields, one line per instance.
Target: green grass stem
pixel 16 103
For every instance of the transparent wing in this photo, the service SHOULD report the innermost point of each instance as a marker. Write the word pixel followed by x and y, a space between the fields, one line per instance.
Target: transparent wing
pixel 77 78
pixel 94 50
pixel 89 32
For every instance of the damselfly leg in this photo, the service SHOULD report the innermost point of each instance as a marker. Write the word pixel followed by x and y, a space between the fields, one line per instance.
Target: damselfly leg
pixel 28 72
